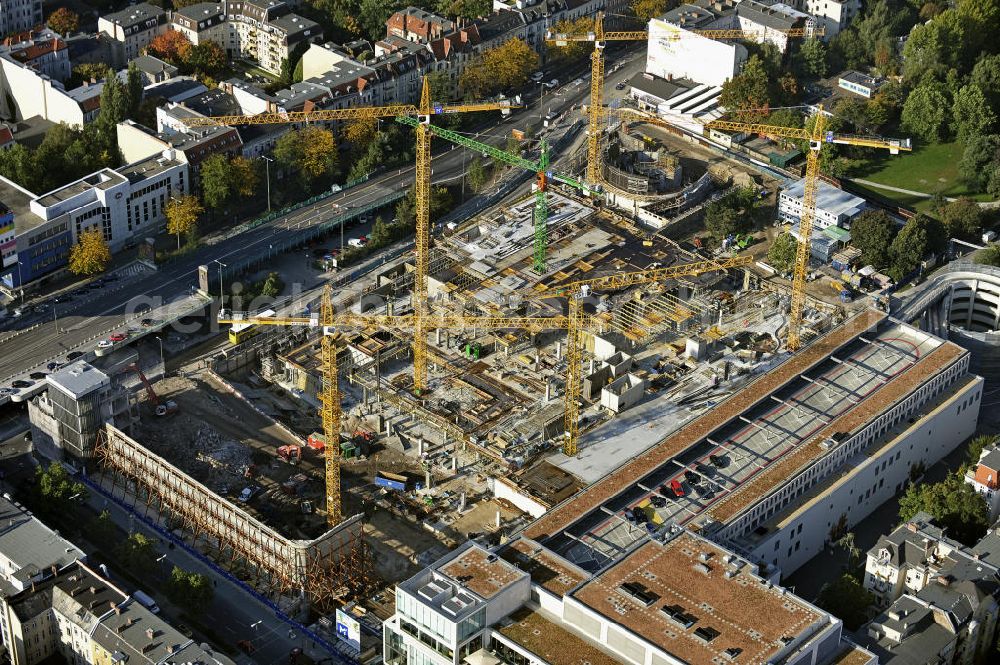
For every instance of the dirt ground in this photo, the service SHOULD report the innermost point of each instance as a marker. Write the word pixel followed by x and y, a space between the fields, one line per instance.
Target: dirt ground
pixel 215 437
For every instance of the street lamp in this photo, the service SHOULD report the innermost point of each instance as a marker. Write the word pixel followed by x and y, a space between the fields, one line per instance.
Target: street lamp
pixel 267 166
pixel 162 363
pixel 221 290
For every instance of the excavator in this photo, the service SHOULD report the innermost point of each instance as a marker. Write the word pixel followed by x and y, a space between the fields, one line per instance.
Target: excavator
pixel 160 409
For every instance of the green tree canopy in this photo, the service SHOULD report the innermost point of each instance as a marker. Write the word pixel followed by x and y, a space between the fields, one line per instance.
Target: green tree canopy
pixel 56 490
pixel 137 553
pixel 216 182
pixel 963 219
pixel 926 112
pixel 921 235
pixel 747 94
pixel 811 59
pixel 872 232
pixel 954 505
pixel 980 159
pixel 971 113
pixel 846 599
pixel 191 591
pixel 990 255
pixel 781 254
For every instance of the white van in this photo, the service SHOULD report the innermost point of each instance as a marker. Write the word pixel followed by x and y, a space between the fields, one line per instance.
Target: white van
pixel 146 602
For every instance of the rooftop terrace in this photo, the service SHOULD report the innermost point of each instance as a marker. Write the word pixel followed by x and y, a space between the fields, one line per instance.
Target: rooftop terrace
pixel 697 602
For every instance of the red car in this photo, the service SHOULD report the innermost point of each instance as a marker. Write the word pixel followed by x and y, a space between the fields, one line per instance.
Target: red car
pixel 118 337
pixel 677 488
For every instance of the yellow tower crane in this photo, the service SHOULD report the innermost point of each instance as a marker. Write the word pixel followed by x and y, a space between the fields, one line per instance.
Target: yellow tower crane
pixel 422 185
pixel 816 138
pixel 600 36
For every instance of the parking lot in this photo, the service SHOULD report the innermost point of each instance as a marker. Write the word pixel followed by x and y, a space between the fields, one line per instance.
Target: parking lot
pixel 734 455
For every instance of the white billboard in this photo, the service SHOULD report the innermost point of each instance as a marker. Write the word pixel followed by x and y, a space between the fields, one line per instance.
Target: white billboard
pixel 348 630
pixel 677 53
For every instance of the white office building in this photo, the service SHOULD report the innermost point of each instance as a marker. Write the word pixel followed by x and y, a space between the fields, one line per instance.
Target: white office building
pixel 834 206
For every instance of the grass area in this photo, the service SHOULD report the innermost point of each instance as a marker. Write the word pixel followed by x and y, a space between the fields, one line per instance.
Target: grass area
pixel 930 168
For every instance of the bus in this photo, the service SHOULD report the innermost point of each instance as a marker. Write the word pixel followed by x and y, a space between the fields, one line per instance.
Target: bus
pixel 241 332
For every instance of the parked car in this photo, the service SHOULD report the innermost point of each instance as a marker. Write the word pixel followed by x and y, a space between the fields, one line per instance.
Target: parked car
pixel 118 337
pixel 657 501
pixel 52 366
pixel 537 77
pixel 38 376
pixel 105 344
pixel 691 477
pixel 21 383
pixel 620 86
pixel 73 355
pixel 718 461
pixel 677 488
pixel 246 495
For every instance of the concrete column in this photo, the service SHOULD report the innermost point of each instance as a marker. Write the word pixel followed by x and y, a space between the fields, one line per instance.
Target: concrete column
pixel 499 522
pixel 454 463
pixel 438 333
pixel 427 478
pixel 548 390
pixel 420 445
pixel 461 502
pixel 558 349
pixel 593 365
pixel 388 427
pixel 538 358
pixel 972 301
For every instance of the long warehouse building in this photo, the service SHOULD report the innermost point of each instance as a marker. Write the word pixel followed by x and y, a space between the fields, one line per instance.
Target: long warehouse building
pixel 628 571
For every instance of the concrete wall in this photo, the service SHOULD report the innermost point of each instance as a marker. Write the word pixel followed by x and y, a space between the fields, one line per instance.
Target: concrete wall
pixel 504 489
pixel 137 144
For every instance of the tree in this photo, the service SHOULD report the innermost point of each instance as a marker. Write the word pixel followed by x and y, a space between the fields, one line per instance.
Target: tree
pixel 971 113
pixel 115 102
pixel 986 77
pixel 360 131
pixel 920 235
pixel 574 51
pixel 441 202
pixel 102 529
pixel 954 505
pixel 811 59
pixel 650 9
pixel 172 46
pixel 501 69
pixel 476 174
pixel 872 232
pixel 134 85
pixel 138 553
pixel 310 151
pixel 216 181
pixel 976 446
pixel 182 216
pixel 846 599
pixel 963 219
pixel 733 213
pixel 55 489
pixel 90 255
pixel 245 175
pixel 206 58
pixel 747 94
pixel 64 21
pixel 379 236
pixel 192 591
pixel 979 159
pixel 989 256
pixel 925 112
pixel 781 255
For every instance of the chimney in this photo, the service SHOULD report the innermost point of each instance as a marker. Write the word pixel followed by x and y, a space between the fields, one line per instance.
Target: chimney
pixel 150 633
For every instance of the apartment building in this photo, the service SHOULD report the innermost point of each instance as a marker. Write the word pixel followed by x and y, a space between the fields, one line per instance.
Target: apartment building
pixel 671 54
pixel 772 20
pixel 984 477
pixel 26 92
pixel 132 29
pixel 832 15
pixel 19 15
pixel 82 618
pixel 418 25
pixel 40 50
pixel 266 31
pixel 939 597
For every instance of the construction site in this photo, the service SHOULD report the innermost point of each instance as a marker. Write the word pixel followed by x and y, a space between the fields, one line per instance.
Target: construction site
pixel 470 387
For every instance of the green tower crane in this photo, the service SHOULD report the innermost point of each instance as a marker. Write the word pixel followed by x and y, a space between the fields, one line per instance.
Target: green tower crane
pixel 540 168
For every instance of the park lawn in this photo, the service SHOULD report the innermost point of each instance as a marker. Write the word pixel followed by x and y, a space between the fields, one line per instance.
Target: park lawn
pixel 930 168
